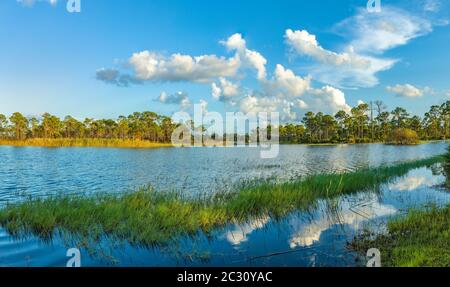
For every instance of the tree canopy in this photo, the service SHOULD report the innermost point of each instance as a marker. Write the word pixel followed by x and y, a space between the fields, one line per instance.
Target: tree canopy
pixel 362 124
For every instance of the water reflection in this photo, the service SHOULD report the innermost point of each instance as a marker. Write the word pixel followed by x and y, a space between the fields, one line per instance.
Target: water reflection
pixel 415 180
pixel 352 213
pixel 40 171
pixel 317 237
pixel 238 234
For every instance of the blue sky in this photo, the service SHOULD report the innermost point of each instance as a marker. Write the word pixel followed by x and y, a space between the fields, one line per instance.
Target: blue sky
pixel 119 56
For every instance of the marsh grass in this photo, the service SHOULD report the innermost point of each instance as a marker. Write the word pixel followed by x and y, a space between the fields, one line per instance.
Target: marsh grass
pixel 419 239
pixel 148 217
pixel 83 142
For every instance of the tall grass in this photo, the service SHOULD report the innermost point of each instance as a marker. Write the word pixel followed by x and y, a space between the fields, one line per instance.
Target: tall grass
pixel 148 217
pixel 419 239
pixel 83 142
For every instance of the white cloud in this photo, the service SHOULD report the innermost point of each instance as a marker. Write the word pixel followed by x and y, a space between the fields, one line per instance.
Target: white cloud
pixel 408 90
pixel 149 66
pixel 235 42
pixel 340 69
pixel 283 91
pixel 291 96
pixel 154 67
pixel 359 62
pixel 329 99
pixel 304 43
pixel 179 98
pixel 379 32
pixel 249 57
pixel 224 90
pixel 292 84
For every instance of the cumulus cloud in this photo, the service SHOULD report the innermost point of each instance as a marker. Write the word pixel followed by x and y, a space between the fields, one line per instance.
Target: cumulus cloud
pixel 340 69
pixel 179 98
pixel 291 95
pixel 292 84
pixel 153 67
pixel 330 99
pixel 304 43
pixel 359 62
pixel 224 90
pixel 149 66
pixel 250 58
pixel 408 90
pixel 283 90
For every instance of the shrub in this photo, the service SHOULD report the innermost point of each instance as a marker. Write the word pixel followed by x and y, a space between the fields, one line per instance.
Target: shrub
pixel 404 136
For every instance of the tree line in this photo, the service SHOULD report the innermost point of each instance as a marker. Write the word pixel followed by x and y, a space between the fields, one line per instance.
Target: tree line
pixel 363 124
pixel 367 123
pixel 140 126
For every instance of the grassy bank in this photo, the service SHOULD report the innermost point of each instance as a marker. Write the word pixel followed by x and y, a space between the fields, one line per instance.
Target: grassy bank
pixel 419 239
pixel 149 217
pixel 83 142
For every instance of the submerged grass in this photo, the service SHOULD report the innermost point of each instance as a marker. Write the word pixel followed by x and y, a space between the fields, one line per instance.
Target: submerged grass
pixel 419 239
pixel 83 142
pixel 148 217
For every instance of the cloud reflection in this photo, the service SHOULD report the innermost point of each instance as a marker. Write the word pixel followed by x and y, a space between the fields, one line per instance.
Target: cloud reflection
pixel 238 234
pixel 411 183
pixel 349 214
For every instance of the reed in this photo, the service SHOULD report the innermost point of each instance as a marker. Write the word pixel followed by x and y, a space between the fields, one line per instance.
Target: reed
pixel 83 142
pixel 419 239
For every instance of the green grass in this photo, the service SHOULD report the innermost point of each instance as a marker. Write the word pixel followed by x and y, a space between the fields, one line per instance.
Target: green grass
pixel 148 217
pixel 419 239
pixel 83 142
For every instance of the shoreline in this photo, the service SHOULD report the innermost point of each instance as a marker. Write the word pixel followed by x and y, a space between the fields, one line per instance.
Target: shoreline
pixel 85 142
pixel 142 144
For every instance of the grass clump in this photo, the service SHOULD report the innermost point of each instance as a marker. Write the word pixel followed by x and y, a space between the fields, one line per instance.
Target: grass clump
pixel 83 142
pixel 148 217
pixel 419 239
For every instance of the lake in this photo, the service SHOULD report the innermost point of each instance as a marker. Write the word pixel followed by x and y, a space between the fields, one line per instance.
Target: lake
pixel 26 171
pixel 313 238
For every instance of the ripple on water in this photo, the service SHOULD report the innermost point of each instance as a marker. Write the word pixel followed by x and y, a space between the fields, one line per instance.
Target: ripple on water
pixel 39 172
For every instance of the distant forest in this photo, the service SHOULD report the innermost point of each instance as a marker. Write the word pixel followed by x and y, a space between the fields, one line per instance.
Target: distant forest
pixel 364 124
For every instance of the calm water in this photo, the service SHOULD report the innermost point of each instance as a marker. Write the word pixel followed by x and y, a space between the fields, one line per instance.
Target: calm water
pixel 40 171
pixel 314 238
